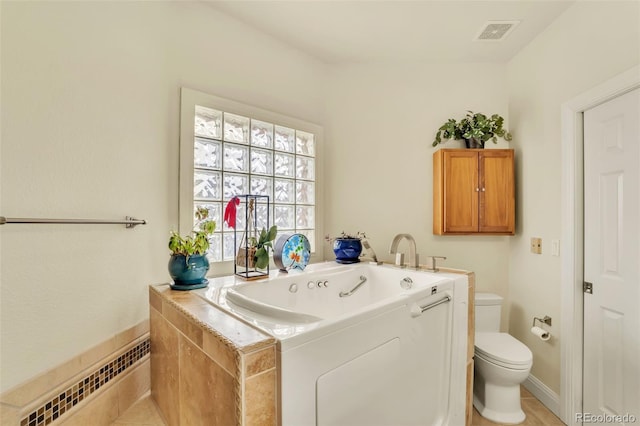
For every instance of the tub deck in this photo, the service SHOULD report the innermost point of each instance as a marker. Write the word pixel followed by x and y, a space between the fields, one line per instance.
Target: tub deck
pixel 198 346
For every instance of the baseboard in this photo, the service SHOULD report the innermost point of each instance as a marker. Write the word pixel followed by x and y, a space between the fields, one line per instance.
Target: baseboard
pixel 545 395
pixel 93 388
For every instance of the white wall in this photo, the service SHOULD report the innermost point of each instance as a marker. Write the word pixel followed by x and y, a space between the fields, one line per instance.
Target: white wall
pixel 381 121
pixel 590 43
pixel 90 108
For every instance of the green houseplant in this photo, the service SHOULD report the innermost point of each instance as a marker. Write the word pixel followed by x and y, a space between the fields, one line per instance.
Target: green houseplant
pixel 188 264
pixel 475 129
pixel 262 245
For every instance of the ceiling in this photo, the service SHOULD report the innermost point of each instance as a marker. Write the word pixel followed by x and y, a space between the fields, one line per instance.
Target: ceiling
pixel 339 32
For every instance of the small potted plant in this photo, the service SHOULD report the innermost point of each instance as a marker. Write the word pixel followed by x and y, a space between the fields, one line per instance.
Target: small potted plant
pixel 347 247
pixel 188 264
pixel 259 248
pixel 475 129
pixel 253 252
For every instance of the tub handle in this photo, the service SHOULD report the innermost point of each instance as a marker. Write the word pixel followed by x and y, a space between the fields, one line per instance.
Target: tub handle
pixel 436 303
pixel 363 280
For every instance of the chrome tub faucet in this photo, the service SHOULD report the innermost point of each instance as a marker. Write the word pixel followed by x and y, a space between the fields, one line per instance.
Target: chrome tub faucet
pixel 413 256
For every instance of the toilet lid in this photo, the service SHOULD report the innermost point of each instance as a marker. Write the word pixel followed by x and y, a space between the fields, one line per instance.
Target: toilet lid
pixel 503 348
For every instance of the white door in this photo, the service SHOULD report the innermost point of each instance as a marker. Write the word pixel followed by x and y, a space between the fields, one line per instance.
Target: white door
pixel 611 375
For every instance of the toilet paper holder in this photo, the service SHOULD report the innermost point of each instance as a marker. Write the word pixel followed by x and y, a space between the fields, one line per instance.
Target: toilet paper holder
pixel 546 320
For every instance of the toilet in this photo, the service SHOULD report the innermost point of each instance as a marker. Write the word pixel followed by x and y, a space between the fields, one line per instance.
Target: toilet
pixel 501 363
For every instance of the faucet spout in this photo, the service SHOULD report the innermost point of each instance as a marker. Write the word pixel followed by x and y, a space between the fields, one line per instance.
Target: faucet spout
pixel 413 256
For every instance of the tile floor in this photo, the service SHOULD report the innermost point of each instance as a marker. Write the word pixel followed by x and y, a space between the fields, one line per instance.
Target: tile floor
pixel 145 413
pixel 537 414
pixel 142 413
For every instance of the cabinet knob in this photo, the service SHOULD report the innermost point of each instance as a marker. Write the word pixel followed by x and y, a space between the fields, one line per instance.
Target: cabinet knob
pixel 477 189
pixel 482 189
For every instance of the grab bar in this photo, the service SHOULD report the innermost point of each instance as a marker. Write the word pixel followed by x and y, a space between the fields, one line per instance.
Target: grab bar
pixel 363 280
pixel 130 222
pixel 434 304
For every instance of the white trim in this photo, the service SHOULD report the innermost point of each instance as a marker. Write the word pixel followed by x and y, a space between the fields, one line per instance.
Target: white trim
pixel 572 247
pixel 549 398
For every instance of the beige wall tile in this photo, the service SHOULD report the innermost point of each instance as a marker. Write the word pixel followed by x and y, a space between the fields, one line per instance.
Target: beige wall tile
pixel 212 344
pixel 165 367
pixel 182 298
pixel 207 391
pixel 222 353
pixel 29 392
pixel 101 410
pixel 471 321
pixel 97 353
pixel 207 316
pixel 9 416
pixel 260 399
pixel 278 387
pixel 469 396
pixel 471 325
pixel 154 299
pixel 43 384
pixel 136 332
pixel 134 385
pixel 41 389
pixel 259 361
pixel 238 333
pixel 186 325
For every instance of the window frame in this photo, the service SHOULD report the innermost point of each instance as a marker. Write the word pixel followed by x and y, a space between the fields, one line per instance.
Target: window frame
pixel 189 98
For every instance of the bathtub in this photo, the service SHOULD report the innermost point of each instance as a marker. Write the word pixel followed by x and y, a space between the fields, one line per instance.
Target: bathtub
pixel 361 344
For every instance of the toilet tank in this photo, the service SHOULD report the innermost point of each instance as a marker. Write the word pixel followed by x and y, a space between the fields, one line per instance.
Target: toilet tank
pixel 487 312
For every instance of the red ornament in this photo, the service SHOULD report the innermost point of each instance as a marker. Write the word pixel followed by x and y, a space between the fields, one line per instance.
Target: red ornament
pixel 230 212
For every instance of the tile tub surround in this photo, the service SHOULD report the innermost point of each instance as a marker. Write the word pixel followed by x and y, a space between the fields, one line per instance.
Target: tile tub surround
pixel 99 384
pixel 237 365
pixel 207 367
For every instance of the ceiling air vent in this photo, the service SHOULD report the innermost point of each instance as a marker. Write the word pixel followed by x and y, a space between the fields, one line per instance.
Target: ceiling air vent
pixel 496 30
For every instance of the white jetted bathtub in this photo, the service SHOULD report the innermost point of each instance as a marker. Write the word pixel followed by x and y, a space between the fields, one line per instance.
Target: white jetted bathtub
pixel 361 344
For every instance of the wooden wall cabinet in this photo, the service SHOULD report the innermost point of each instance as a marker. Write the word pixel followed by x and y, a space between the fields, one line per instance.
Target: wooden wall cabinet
pixel 473 192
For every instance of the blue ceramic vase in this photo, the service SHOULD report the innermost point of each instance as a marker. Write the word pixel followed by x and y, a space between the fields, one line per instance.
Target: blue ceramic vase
pixel 347 250
pixel 188 272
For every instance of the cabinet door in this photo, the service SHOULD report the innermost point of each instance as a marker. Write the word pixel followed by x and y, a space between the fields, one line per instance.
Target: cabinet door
pixel 461 191
pixel 497 199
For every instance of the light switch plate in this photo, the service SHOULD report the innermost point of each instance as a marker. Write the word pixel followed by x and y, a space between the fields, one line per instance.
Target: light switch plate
pixel 555 247
pixel 536 245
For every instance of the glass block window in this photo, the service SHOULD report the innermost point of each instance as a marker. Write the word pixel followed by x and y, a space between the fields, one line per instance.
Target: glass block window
pixel 235 154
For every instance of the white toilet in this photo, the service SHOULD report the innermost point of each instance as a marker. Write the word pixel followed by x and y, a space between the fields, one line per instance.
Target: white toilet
pixel 501 363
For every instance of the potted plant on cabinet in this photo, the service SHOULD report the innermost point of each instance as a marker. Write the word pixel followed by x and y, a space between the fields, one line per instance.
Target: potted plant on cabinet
pixel 188 264
pixel 475 129
pixel 347 247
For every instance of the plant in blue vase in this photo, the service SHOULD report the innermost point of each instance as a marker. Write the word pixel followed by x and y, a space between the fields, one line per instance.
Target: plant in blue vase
pixel 347 247
pixel 188 264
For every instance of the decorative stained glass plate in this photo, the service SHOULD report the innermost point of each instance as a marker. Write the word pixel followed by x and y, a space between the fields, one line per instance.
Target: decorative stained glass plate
pixel 292 251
